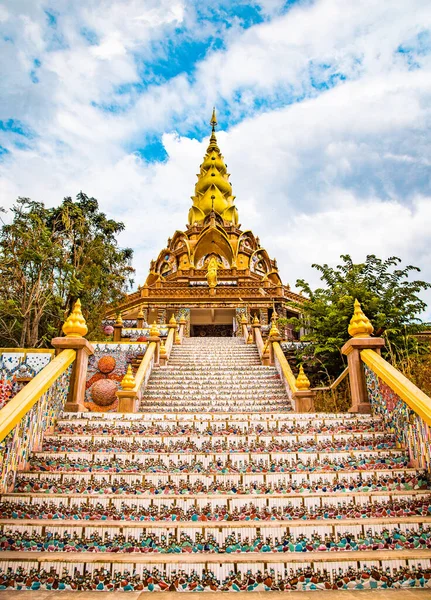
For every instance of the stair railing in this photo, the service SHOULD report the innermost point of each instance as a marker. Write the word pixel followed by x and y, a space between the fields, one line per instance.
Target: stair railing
pixel 379 388
pixel 26 417
pixel 405 409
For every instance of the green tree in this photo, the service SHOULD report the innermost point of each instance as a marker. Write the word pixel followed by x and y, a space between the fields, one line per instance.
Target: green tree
pixel 51 256
pixel 389 297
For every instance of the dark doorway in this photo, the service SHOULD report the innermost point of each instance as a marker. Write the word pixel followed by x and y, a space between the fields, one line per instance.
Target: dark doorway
pixel 211 330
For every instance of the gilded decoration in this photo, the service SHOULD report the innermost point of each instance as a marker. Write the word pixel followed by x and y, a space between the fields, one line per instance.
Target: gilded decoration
pixel 213 252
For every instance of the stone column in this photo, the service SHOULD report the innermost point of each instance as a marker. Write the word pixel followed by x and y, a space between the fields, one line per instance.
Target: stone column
pixel 360 329
pixel 75 328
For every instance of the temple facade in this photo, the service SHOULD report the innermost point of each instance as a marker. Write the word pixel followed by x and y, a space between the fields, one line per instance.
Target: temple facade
pixel 213 272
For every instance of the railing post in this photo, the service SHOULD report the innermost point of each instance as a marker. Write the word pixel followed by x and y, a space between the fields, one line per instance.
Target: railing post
pixel 273 336
pixel 183 322
pixel 244 326
pixel 360 329
pixel 304 397
pixel 118 326
pixel 75 328
pixel 128 398
pixel 155 337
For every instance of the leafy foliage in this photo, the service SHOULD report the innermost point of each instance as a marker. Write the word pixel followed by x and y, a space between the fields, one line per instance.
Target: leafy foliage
pixel 51 256
pixel 389 297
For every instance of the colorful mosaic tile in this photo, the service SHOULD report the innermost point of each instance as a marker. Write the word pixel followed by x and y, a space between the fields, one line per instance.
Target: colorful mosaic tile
pixel 410 430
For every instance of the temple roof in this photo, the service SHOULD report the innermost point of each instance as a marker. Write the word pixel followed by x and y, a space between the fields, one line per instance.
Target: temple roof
pixel 213 239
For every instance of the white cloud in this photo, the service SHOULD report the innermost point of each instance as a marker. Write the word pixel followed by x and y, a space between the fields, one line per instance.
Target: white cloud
pixel 344 171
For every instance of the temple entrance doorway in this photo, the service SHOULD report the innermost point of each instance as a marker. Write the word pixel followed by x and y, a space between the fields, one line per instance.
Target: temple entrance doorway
pixel 211 322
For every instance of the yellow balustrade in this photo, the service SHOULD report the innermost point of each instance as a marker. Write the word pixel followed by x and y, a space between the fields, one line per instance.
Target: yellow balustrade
pixel 284 366
pixel 170 341
pixel 14 411
pixel 415 398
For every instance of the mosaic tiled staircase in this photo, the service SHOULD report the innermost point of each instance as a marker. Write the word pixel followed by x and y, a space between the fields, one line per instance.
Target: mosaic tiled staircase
pixel 217 485
pixel 216 374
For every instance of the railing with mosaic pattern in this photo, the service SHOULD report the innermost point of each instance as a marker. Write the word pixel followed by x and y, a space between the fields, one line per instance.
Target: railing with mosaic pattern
pixel 284 370
pixel 30 413
pixel 405 409
pixel 17 367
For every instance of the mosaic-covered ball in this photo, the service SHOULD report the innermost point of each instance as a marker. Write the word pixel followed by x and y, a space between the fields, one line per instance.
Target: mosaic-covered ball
pixel 106 364
pixel 103 392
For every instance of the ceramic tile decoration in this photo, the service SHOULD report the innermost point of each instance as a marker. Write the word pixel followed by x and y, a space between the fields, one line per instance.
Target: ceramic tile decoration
pixel 409 429
pixel 28 434
pixel 16 366
pixel 110 361
pixel 219 471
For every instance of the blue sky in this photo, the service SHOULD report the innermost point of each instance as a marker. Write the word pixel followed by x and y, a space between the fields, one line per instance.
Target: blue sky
pixel 323 109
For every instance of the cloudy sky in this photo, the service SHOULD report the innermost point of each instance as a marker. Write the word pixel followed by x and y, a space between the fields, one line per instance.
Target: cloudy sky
pixel 324 111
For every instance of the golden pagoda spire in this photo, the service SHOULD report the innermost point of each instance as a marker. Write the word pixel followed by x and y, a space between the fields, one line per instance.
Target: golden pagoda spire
pixel 213 191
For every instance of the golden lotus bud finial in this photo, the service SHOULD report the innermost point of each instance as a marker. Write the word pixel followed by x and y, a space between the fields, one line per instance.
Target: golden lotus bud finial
pixel 154 330
pixel 75 325
pixel 244 319
pixel 172 320
pixel 302 381
pixel 274 316
pixel 274 332
pixel 360 325
pixel 141 313
pixel 162 348
pixel 128 382
pixel 256 320
pixel 119 319
pixel 250 338
pixel 183 320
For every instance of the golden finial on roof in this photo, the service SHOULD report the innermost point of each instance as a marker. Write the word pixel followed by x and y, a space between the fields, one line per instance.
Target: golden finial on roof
pixel 302 381
pixel 256 320
pixel 154 330
pixel 163 349
pixel 172 320
pixel 119 319
pixel 360 325
pixel 75 325
pixel 213 121
pixel 128 382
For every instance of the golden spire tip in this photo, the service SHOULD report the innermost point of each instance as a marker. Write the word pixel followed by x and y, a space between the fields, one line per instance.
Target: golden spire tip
pixel 213 121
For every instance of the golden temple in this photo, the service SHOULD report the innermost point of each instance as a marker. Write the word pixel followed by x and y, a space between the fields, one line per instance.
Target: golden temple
pixel 213 270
